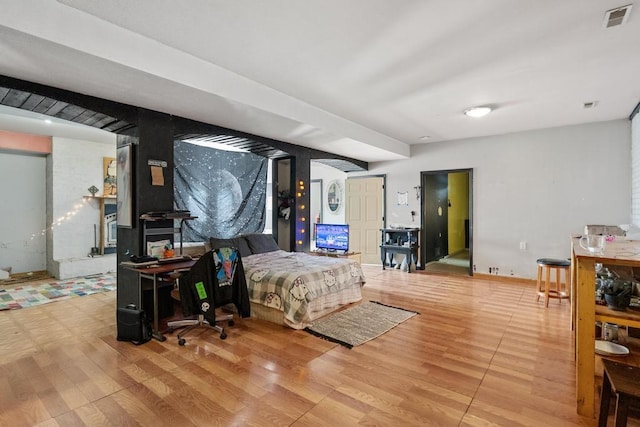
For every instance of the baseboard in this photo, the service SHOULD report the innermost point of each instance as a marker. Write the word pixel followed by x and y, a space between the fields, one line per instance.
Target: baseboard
pixel 508 279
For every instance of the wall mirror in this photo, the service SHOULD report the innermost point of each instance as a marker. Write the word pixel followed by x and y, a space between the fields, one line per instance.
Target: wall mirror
pixel 335 196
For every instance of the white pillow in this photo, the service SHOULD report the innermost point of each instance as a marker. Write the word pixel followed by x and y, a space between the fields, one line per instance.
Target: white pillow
pixel 156 249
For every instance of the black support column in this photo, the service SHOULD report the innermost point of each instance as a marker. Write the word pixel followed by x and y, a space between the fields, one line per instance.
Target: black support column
pixel 154 141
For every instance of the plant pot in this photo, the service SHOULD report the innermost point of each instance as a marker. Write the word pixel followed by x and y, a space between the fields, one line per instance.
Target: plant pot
pixel 617 302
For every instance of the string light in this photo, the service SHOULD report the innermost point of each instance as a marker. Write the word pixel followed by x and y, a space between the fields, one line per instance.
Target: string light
pixel 60 221
pixel 300 194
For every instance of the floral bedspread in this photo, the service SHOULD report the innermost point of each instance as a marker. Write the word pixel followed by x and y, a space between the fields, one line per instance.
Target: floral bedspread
pixel 288 281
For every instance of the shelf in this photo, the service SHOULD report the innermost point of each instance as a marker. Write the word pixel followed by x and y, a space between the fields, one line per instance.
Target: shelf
pixel 630 317
pixel 389 244
pixel 101 197
pixel 164 216
pixel 585 311
pixel 159 231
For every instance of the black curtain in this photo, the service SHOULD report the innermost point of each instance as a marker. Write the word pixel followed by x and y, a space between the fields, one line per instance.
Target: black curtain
pixel 226 190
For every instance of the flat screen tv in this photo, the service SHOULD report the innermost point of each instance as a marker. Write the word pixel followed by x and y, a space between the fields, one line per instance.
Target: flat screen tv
pixel 332 237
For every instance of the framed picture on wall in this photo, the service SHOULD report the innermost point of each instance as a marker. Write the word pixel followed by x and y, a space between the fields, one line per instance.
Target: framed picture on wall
pixel 109 176
pixel 403 198
pixel 124 183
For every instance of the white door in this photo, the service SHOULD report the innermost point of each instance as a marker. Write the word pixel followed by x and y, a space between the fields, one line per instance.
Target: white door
pixel 363 213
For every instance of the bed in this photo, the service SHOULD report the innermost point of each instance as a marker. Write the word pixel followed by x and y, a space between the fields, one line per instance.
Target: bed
pixel 294 288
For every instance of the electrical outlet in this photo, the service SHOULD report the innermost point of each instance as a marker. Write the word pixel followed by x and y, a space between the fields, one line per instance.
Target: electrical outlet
pixel 523 246
pixel 495 270
pixel 474 267
pixel 490 270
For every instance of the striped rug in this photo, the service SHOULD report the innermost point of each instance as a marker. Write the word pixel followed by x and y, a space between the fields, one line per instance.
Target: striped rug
pixel 359 324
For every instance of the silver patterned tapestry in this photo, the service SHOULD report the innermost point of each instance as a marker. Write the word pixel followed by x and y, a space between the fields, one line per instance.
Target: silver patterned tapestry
pixel 226 190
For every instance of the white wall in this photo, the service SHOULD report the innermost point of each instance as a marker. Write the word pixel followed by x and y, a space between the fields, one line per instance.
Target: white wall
pixel 73 167
pixel 536 187
pixel 22 212
pixel 635 170
pixel 328 174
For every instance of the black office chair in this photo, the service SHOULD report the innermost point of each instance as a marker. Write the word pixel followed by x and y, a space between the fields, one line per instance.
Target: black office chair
pixel 215 280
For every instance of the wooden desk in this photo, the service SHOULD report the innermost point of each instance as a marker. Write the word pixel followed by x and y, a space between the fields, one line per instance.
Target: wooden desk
pixel 620 253
pixel 156 273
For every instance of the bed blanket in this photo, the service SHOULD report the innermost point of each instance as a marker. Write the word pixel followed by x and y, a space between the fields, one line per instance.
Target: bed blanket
pixel 288 281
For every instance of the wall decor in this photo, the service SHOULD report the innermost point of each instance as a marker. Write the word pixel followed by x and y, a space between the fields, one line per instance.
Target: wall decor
pixel 226 190
pixel 124 175
pixel 109 168
pixel 403 198
pixel 335 196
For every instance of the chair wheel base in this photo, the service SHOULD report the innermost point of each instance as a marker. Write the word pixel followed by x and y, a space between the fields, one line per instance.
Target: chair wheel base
pixel 181 341
pixel 223 335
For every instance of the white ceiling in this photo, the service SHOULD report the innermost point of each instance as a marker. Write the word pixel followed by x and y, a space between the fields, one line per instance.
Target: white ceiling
pixel 360 78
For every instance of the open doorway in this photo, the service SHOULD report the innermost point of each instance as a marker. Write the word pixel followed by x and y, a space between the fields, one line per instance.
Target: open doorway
pixel 446 238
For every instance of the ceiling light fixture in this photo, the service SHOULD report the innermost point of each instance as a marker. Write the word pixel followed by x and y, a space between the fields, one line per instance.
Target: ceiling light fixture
pixel 477 111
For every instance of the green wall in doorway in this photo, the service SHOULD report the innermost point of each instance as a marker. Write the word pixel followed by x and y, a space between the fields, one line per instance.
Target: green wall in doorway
pixel 458 189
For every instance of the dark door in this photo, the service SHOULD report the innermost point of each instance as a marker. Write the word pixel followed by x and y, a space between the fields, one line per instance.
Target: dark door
pixel 435 215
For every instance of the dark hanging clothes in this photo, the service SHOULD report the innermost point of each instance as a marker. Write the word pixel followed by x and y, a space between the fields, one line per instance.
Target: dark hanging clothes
pixel 200 285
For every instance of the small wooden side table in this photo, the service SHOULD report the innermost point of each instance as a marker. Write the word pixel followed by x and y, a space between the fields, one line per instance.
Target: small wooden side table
pixel 623 382
pixel 350 255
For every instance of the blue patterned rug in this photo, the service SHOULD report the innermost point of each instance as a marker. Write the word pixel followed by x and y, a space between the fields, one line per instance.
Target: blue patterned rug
pixel 32 295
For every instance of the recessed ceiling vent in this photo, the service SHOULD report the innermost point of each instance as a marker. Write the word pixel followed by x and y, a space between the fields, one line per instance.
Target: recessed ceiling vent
pixel 617 16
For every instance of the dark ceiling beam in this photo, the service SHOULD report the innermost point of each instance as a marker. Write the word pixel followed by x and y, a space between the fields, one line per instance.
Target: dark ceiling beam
pixel 118 110
pixel 121 118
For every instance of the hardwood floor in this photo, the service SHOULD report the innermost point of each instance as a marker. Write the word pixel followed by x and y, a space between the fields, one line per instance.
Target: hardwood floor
pixel 480 353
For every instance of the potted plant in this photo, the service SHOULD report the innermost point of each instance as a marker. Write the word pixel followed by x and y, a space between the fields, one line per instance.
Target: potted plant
pixel 616 291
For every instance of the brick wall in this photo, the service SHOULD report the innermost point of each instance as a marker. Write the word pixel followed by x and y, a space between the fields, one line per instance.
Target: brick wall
pixel 72 168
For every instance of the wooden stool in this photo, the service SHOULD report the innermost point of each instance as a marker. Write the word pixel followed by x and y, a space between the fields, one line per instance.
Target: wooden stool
pixel 624 382
pixel 559 292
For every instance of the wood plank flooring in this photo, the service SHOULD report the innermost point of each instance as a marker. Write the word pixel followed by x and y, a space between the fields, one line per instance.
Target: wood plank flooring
pixel 480 353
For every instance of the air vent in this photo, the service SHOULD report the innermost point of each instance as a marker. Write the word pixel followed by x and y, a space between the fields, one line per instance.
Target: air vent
pixel 589 104
pixel 617 16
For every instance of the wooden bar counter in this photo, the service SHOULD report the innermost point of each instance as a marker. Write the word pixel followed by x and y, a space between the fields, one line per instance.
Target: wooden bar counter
pixel 617 253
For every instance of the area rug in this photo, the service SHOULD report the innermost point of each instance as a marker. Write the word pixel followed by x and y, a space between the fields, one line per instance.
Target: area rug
pixel 357 325
pixel 32 295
